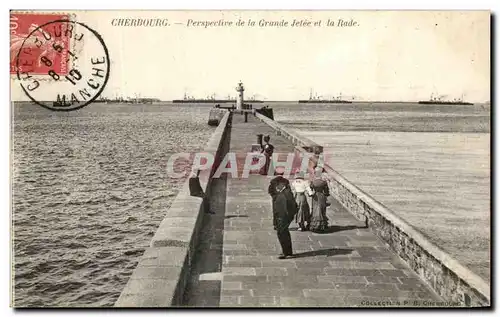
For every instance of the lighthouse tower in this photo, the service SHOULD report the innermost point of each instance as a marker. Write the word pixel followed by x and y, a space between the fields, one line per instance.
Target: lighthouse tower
pixel 239 102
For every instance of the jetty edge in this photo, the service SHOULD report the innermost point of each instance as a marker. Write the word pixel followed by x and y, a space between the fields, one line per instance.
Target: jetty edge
pixel 162 274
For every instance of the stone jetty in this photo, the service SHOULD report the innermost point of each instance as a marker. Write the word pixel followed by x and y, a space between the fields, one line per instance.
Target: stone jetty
pixel 219 249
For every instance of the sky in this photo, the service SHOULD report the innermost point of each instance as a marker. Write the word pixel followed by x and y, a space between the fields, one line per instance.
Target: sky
pixel 393 56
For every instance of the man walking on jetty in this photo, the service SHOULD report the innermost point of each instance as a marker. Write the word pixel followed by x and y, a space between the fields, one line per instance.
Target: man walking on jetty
pixel 280 171
pixel 284 210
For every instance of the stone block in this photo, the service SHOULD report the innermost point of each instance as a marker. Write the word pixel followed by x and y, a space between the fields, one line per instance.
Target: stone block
pixel 241 252
pixel 307 284
pixel 238 271
pixel 257 301
pixel 164 256
pixel 229 258
pixel 342 264
pixel 179 211
pixel 290 292
pixel 342 286
pixel 236 292
pixel 143 286
pixel 171 236
pixel 382 286
pixel 261 285
pixel 292 278
pixel 321 264
pixel 395 272
pixel 373 265
pixel 233 247
pixel 343 279
pixel 342 272
pixel 248 263
pixel 324 293
pixel 227 285
pixel 229 301
pixel 280 263
pixel 382 293
pixel 178 222
pixel 245 278
pixel 294 302
pixel 166 273
pixel 382 279
pixel 271 271
pixel 309 271
pixel 412 287
pixel 146 300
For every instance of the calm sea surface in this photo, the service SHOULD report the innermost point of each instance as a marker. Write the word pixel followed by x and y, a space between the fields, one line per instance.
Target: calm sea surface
pixel 429 164
pixel 89 191
pixel 90 187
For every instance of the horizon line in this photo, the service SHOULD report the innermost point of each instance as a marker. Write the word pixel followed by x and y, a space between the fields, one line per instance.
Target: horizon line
pixel 158 100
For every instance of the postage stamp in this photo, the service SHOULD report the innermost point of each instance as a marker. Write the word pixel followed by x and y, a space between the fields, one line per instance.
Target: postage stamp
pixel 72 75
pixel 21 25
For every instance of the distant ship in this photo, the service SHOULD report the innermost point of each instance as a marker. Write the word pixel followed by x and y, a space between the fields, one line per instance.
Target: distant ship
pixel 440 101
pixel 135 100
pixel 212 99
pixel 317 99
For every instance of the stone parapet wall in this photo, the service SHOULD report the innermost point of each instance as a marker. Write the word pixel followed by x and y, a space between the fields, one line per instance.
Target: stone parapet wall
pixel 215 116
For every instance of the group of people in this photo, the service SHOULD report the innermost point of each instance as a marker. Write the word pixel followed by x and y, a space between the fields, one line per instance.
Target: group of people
pixel 290 202
pixel 306 219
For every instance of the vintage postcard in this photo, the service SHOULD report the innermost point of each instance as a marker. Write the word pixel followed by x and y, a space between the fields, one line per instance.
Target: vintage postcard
pixel 250 159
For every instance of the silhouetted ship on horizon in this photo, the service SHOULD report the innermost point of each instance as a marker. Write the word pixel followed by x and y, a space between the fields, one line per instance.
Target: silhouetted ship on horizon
pixel 317 99
pixel 211 99
pixel 135 100
pixel 440 101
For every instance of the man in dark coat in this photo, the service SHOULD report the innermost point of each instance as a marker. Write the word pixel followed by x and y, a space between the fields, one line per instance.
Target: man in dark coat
pixel 284 210
pixel 272 187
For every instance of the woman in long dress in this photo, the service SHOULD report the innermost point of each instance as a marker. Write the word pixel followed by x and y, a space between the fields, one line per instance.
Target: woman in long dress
pixel 319 220
pixel 267 150
pixel 301 188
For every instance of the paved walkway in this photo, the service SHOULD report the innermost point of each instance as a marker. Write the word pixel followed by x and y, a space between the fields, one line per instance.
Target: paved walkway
pixel 237 262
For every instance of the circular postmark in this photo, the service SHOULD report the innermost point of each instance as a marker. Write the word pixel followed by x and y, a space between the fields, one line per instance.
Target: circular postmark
pixel 71 78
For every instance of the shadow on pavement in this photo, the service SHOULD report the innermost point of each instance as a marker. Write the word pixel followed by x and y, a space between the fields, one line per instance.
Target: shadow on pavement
pixel 236 216
pixel 204 287
pixel 327 252
pixel 333 229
